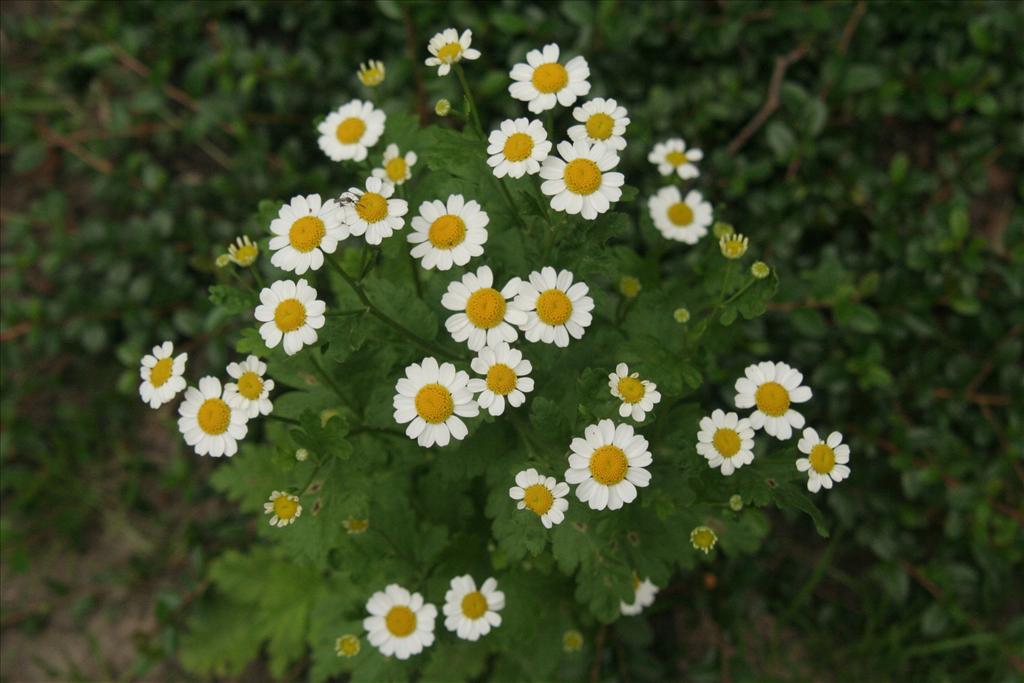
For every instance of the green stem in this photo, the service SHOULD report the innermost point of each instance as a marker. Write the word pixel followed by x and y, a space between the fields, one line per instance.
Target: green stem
pixel 327 379
pixel 475 117
pixel 706 322
pixel 256 276
pixel 312 476
pixel 393 324
pixel 469 98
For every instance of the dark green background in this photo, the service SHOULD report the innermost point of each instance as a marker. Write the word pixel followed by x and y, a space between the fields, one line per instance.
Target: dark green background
pixel 885 189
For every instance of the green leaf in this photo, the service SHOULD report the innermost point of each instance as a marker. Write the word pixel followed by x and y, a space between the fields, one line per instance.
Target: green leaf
pixel 857 317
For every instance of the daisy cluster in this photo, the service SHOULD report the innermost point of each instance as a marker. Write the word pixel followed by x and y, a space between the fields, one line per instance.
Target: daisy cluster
pixel 213 416
pixel 608 463
pixel 726 440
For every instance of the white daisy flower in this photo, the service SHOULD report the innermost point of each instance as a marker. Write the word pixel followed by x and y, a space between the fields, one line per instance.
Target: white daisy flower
pixel 608 464
pixel 283 508
pixel 400 623
pixel 484 316
pixel 349 132
pixel 290 311
pixel 581 180
pixel 772 388
pixel 432 398
pixel 505 373
pixel 372 73
pixel 555 308
pixel 250 393
pixel 643 597
pixel 672 155
pixel 161 375
pixel 638 396
pixel 726 441
pixel 517 148
pixel 448 47
pixel 543 82
pixel 826 460
pixel 544 496
pixel 304 230
pixel 209 423
pixel 243 252
pixel 447 234
pixel 373 213
pixel 471 613
pixel 682 220
pixel 396 168
pixel 600 120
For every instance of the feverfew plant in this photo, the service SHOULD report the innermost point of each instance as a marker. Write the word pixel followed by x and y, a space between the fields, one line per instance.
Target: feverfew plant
pixel 484 352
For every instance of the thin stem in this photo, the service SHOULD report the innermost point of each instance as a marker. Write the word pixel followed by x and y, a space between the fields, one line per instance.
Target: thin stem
pixel 256 276
pixel 393 324
pixel 469 98
pixel 327 379
pixel 414 269
pixel 551 123
pixel 475 116
pixel 312 476
pixel 740 291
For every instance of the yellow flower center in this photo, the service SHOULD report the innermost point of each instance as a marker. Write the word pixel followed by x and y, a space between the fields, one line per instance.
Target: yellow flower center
pixel 400 621
pixel 733 248
pixel 631 389
pixel 727 442
pixel 350 130
pixel 676 158
pixel 553 307
pixel 582 176
pixel 447 232
pixel 285 508
pixel 474 605
pixel 549 78
pixel 161 372
pixel 434 403
pixel 538 498
pixel 823 458
pixel 450 53
pixel 680 214
pixel 636 581
pixel 600 126
pixel 289 315
pixel 772 399
pixel 214 416
pixel 356 526
pixel 703 538
pixel 348 645
pixel 608 465
pixel 485 308
pixel 396 169
pixel 519 146
pixel 246 254
pixel 306 233
pixel 372 207
pixel 250 385
pixel 501 379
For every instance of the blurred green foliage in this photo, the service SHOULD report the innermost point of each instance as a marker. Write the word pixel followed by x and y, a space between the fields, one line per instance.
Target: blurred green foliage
pixel 884 190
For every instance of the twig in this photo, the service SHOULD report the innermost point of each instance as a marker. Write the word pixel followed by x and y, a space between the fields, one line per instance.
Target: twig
pixel 84 155
pixel 595 666
pixel 771 102
pixel 387 320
